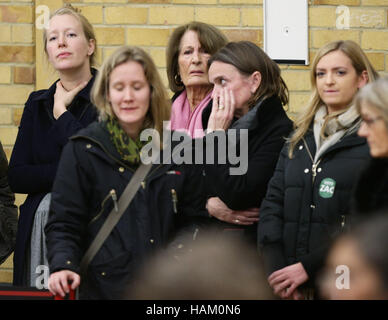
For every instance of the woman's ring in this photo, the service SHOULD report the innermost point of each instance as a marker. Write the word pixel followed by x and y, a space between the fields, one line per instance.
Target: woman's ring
pixel 220 107
pixel 237 221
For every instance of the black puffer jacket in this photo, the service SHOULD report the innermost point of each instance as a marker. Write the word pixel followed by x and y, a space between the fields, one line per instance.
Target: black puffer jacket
pixel 302 213
pixel 371 191
pixel 89 173
pixel 268 126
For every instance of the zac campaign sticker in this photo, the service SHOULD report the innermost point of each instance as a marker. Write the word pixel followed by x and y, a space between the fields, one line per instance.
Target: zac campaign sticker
pixel 326 188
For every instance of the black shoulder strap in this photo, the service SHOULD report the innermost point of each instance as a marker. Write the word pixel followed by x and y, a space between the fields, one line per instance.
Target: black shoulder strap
pixel 114 216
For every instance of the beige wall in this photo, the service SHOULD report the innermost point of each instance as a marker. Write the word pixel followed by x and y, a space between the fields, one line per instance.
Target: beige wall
pixel 148 23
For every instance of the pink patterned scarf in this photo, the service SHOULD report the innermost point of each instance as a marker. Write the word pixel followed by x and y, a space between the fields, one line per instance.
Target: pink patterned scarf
pixel 183 119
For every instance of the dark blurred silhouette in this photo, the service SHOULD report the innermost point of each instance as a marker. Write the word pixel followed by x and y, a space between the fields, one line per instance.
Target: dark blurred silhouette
pixel 213 268
pixel 8 211
pixel 357 264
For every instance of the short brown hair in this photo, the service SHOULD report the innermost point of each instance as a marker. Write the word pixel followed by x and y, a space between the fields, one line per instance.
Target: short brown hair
pixel 159 109
pixel 247 58
pixel 210 38
pixel 86 27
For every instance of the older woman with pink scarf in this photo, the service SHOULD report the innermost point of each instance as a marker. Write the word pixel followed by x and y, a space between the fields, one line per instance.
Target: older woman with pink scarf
pixel 188 51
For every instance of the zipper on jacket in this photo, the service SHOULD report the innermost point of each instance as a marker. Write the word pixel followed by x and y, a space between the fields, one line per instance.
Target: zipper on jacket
pixel 343 221
pixel 195 234
pixel 174 200
pixel 112 194
pixel 314 165
pixel 314 169
pixel 114 197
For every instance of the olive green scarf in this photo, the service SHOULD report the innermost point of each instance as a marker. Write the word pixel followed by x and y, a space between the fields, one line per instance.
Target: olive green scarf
pixel 128 149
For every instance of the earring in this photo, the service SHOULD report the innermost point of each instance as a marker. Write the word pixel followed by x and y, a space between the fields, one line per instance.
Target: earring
pixel 178 80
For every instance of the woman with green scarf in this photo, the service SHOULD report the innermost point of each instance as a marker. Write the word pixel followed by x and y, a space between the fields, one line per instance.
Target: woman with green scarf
pixel 96 166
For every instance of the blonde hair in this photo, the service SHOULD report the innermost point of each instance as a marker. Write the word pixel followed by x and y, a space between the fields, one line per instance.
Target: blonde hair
pixel 375 94
pixel 159 109
pixel 86 27
pixel 360 63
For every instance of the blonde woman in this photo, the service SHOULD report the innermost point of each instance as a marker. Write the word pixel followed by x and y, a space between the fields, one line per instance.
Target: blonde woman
pixel 307 201
pixel 49 118
pixel 97 165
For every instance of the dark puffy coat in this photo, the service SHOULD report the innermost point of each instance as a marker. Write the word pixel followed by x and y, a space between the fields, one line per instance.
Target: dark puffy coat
pixel 268 126
pixel 301 214
pixel 8 211
pixel 36 154
pixel 371 192
pixel 89 170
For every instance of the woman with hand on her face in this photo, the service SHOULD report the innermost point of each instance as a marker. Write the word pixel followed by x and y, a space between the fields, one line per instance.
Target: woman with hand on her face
pixel 371 192
pixel 96 166
pixel 308 197
pixel 188 51
pixel 249 94
pixel 49 118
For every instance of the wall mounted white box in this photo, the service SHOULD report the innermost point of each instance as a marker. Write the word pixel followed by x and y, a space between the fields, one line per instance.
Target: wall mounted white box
pixel 286 31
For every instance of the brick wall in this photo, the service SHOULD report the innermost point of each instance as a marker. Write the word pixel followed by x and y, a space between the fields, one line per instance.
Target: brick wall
pixel 148 23
pixel 17 63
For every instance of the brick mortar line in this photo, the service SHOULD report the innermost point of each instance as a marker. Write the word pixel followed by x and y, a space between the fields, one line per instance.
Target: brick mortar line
pixel 160 5
pixel 19 64
pixel 18 4
pixel 5 23
pixel 10 44
pixel 3 44
pixel 164 27
pixel 378 29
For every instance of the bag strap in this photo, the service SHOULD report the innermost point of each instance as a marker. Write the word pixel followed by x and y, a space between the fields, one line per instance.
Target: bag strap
pixel 115 215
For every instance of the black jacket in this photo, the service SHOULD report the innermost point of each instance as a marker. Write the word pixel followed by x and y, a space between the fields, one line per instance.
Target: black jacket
pixel 300 214
pixel 36 154
pixel 268 126
pixel 90 168
pixel 371 192
pixel 8 211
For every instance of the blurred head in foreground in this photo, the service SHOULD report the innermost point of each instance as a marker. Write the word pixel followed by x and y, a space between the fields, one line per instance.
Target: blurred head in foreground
pixel 212 268
pixel 357 264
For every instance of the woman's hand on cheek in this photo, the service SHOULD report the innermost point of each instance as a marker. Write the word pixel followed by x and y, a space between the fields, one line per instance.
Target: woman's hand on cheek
pixel 222 111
